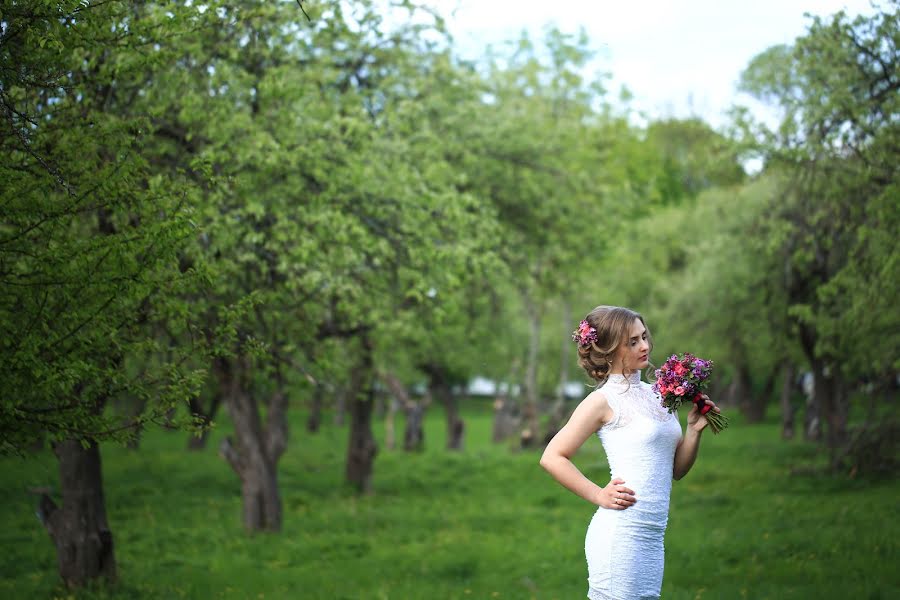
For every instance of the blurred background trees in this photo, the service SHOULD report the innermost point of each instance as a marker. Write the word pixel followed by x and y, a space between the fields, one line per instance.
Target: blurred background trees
pixel 226 205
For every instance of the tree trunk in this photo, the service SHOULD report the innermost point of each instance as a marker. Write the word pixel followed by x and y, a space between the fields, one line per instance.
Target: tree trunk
pixel 787 405
pixel 440 387
pixel 84 543
pixel 506 409
pixel 362 448
pixel 558 410
pixel 812 430
pixel 205 417
pixel 455 425
pixel 315 413
pixel 197 441
pixel 529 435
pixel 829 391
pixel 340 405
pixel 37 444
pixel 413 435
pixel 751 405
pixel 255 452
pixel 812 423
pixel 381 404
pixel 555 421
pixel 506 418
pixel 390 436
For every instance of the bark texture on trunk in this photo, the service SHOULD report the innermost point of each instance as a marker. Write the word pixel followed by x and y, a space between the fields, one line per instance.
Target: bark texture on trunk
pixel 257 446
pixel 362 448
pixel 79 529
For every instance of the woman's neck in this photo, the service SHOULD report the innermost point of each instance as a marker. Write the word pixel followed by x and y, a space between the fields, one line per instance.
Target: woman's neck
pixel 623 372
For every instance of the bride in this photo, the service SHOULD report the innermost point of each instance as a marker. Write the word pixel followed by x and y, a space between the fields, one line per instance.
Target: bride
pixel 645 449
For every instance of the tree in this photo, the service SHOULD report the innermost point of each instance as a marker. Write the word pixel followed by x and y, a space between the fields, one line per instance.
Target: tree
pixel 534 157
pixel 686 245
pixel 88 254
pixel 837 146
pixel 336 216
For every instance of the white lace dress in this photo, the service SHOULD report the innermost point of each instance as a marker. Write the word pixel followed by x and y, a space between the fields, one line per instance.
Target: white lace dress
pixel 624 548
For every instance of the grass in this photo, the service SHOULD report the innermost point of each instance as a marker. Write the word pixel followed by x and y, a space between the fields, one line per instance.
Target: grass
pixel 486 522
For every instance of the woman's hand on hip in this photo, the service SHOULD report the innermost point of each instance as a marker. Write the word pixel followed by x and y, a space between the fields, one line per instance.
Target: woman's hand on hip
pixel 616 496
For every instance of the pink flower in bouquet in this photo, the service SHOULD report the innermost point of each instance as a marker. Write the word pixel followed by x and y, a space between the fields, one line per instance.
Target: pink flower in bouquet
pixel 685 377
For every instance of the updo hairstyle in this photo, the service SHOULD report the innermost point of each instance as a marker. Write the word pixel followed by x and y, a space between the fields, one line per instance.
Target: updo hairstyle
pixel 613 324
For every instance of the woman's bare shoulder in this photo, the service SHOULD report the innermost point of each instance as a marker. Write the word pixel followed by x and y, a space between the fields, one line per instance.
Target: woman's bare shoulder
pixel 596 398
pixel 594 408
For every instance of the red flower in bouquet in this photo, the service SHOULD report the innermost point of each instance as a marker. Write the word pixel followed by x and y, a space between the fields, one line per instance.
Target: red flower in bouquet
pixel 684 377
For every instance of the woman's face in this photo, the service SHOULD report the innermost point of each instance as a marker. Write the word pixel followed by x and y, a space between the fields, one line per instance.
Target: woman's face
pixel 634 353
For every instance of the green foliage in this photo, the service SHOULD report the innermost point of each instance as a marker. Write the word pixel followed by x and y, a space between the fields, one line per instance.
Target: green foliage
pixel 336 207
pixel 690 157
pixel 722 266
pixel 536 159
pixel 89 237
pixel 833 222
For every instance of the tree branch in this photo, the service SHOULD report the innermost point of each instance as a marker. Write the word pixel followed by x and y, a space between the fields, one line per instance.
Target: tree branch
pixel 228 452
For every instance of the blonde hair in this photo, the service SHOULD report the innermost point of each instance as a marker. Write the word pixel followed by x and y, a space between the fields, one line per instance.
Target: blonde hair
pixel 613 324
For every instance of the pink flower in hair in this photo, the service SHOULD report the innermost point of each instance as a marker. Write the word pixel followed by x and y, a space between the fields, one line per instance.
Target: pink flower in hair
pixel 585 335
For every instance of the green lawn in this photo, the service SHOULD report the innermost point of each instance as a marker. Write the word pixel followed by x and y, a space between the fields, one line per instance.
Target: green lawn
pixel 483 523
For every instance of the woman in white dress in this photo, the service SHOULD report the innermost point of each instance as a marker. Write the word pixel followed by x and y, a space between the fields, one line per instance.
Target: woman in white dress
pixel 645 449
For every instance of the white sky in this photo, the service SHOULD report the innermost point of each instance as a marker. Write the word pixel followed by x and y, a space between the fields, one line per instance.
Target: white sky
pixel 677 57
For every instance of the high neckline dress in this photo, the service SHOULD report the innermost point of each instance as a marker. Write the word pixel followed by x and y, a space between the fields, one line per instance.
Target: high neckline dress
pixel 624 548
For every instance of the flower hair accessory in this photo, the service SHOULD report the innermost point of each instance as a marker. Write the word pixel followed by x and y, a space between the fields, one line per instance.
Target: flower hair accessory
pixel 585 335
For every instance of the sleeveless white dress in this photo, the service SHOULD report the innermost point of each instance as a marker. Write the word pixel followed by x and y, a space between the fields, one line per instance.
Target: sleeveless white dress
pixel 624 548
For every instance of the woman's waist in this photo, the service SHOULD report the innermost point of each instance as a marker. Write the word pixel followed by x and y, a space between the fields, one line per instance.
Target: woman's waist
pixel 639 519
pixel 652 495
pixel 655 481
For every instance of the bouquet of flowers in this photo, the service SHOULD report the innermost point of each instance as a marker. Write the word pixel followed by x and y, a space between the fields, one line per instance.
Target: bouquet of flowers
pixel 684 377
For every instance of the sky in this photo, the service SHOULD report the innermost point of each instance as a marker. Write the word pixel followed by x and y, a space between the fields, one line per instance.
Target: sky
pixel 678 58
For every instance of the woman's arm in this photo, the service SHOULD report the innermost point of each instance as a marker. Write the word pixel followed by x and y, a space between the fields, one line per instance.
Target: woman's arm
pixel 686 452
pixel 591 415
